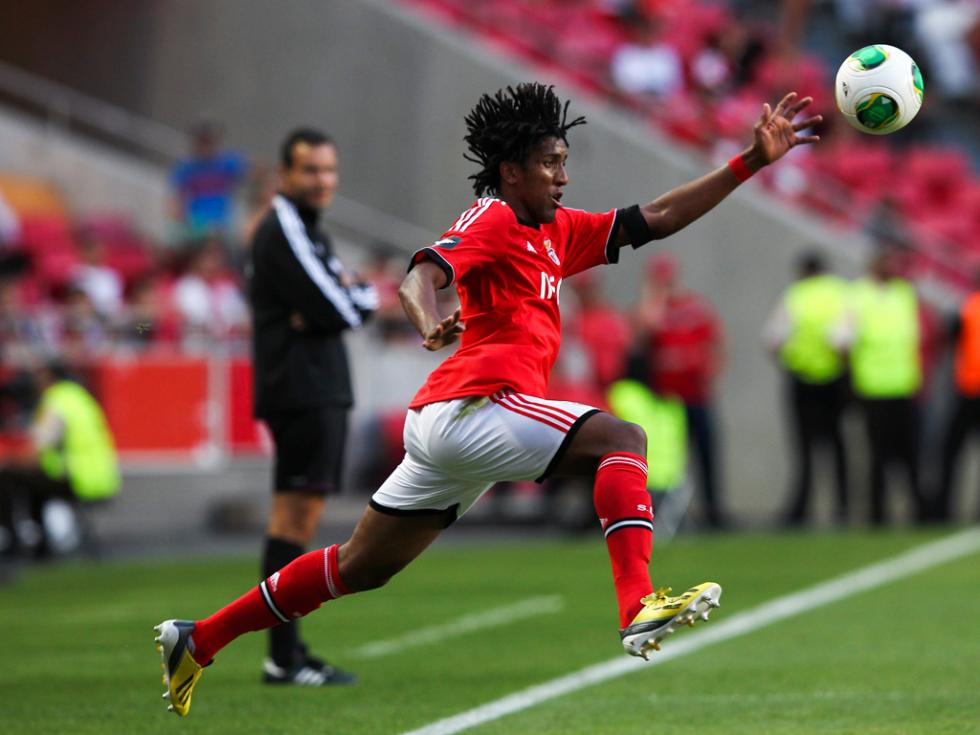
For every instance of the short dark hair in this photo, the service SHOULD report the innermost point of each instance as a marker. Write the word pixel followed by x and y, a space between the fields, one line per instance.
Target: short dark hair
pixel 811 263
pixel 310 136
pixel 509 125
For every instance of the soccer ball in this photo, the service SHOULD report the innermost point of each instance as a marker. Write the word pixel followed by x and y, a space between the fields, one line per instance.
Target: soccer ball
pixel 879 89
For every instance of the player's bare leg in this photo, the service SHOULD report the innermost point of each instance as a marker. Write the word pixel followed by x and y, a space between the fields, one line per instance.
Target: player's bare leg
pixel 382 545
pixel 614 452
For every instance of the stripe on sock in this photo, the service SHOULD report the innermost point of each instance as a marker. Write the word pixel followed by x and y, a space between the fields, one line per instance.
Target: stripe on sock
pixel 270 603
pixel 628 522
pixel 331 567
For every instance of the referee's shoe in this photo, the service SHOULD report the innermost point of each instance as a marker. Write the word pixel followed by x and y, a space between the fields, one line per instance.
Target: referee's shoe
pixel 310 671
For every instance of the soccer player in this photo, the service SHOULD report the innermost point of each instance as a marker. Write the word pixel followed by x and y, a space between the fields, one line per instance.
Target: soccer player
pixel 480 417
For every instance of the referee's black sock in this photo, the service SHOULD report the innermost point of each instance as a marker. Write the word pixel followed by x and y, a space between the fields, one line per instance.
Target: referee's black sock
pixel 284 646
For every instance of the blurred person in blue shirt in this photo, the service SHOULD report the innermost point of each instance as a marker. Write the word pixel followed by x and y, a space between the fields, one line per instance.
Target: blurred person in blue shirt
pixel 204 184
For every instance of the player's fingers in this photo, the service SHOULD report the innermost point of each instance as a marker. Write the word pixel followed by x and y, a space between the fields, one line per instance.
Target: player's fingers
pixel 809 122
pixel 806 139
pixel 784 103
pixel 792 110
pixel 764 117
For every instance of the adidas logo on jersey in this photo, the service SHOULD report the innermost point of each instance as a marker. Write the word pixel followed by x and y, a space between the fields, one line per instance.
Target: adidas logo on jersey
pixel 530 247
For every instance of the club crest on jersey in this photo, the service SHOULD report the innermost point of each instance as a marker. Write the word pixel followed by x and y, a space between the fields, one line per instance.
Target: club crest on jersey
pixel 551 252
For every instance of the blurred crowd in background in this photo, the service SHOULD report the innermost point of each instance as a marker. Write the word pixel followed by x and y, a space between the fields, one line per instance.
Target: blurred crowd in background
pixel 74 290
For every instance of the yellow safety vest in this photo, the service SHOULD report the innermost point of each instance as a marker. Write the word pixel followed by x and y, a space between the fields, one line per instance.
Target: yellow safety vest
pixel 665 423
pixel 885 360
pixel 815 306
pixel 86 456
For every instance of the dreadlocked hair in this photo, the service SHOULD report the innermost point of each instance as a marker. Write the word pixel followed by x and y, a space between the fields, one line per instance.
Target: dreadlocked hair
pixel 507 127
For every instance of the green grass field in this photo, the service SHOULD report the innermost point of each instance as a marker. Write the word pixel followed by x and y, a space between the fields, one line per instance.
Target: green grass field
pixel 78 655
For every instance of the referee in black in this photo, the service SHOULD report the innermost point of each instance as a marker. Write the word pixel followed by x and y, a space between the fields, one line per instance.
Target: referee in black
pixel 303 300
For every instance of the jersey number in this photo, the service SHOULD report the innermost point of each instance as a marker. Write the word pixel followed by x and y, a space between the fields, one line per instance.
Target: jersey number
pixel 550 288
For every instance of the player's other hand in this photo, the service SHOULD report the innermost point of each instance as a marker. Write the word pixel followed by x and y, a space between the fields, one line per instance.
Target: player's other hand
pixel 444 333
pixel 776 130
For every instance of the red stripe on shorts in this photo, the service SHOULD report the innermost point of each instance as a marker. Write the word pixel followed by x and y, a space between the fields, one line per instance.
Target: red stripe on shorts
pixel 559 413
pixel 540 417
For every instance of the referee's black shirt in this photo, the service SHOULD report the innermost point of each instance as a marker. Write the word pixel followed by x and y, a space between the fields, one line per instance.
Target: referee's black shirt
pixel 294 271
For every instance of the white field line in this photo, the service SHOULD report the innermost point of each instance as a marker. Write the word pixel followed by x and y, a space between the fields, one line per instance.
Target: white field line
pixel 867 578
pixel 492 618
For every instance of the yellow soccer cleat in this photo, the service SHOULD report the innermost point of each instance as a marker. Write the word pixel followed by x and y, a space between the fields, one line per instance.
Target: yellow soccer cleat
pixel 180 670
pixel 661 615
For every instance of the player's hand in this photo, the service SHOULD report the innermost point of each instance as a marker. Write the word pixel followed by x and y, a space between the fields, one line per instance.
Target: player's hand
pixel 776 131
pixel 444 333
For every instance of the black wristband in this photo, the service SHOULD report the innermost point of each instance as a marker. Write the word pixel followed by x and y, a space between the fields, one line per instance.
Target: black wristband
pixel 636 226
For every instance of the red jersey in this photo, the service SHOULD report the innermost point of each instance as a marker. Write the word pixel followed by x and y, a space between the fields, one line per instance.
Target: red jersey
pixel 508 276
pixel 685 349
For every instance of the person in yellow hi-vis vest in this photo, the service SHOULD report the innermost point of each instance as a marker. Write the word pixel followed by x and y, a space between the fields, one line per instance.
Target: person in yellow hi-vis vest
pixel 74 457
pixel 886 374
pixel 804 334
pixel 665 422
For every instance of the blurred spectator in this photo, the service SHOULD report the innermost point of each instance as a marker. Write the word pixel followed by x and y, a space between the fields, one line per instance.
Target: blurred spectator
pixel 145 322
pixel 681 338
pixel 803 334
pixel 84 332
pixel 728 60
pixel 646 65
pixel 207 299
pixel 73 459
pixel 23 328
pixel 886 373
pixel 601 329
pixel 204 184
pixel 102 284
pixel 965 419
pixel 943 29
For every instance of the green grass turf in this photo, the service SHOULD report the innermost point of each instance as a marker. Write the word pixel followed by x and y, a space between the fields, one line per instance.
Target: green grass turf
pixel 78 657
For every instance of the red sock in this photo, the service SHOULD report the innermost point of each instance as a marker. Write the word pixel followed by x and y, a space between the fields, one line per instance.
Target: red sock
pixel 626 514
pixel 296 590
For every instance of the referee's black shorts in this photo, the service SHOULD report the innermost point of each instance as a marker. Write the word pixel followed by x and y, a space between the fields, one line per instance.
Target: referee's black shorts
pixel 309 450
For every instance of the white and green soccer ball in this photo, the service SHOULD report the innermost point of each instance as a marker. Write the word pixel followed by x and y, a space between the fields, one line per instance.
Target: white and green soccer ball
pixel 879 89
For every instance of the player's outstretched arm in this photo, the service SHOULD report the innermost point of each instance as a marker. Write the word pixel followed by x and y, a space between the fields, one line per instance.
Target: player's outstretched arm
pixel 418 296
pixel 776 132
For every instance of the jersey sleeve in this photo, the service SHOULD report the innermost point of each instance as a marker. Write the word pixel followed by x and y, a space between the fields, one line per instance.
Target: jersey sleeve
pixel 299 278
pixel 590 240
pixel 466 246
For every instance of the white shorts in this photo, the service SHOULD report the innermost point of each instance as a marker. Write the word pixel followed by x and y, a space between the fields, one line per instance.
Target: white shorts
pixel 456 450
